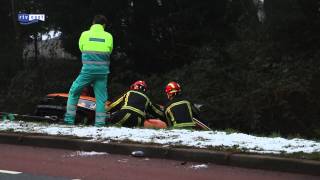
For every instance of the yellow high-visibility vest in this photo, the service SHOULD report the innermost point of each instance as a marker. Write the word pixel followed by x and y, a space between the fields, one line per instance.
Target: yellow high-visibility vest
pixel 96 46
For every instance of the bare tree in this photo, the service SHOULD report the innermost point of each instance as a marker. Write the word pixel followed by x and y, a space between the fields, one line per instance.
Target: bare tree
pixel 18 42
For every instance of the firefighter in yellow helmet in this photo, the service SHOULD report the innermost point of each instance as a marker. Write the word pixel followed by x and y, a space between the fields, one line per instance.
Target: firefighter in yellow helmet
pixel 133 107
pixel 179 112
pixel 96 46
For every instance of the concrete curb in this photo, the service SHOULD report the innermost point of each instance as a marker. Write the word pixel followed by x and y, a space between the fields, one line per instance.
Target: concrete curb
pixel 196 155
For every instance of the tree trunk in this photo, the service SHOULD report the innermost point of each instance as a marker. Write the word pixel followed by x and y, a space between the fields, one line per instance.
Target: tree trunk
pixel 36 52
pixel 18 41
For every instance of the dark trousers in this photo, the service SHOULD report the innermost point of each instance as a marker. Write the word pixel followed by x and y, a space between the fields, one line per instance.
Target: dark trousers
pixel 127 118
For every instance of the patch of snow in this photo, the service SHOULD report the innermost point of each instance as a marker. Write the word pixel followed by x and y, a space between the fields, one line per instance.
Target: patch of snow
pixel 123 160
pixel 83 153
pixel 199 166
pixel 168 138
pixel 51 35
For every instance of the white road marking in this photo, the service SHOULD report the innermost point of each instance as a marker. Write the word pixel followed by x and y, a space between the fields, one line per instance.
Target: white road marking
pixel 10 172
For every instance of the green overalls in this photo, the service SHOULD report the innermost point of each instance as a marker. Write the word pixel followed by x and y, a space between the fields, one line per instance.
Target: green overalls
pixel 96 46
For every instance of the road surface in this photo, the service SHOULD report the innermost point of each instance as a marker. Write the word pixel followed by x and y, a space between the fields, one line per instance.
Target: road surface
pixel 26 162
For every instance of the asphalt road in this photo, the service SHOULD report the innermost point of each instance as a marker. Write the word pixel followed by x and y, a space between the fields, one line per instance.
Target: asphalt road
pixel 26 162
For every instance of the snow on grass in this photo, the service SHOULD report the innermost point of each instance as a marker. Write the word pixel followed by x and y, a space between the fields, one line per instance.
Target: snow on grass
pixel 167 138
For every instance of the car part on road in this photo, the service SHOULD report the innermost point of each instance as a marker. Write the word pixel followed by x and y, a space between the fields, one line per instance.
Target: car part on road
pixel 137 153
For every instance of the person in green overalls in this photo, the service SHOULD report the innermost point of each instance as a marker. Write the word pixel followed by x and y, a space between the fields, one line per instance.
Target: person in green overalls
pixel 96 46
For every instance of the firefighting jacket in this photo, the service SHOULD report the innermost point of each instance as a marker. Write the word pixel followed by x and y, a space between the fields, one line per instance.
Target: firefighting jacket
pixel 138 102
pixel 179 113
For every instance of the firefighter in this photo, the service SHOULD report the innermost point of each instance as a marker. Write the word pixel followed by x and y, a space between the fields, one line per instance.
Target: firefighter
pixel 96 46
pixel 133 107
pixel 179 112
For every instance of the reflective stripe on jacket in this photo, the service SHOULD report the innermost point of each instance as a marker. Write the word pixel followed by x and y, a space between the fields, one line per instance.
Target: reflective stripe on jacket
pixel 96 46
pixel 137 102
pixel 179 114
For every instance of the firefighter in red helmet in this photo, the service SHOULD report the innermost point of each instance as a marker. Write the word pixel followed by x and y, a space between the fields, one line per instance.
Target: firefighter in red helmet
pixel 179 112
pixel 133 107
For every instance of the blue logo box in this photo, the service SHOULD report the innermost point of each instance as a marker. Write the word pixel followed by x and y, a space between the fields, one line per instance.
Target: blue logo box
pixel 26 19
